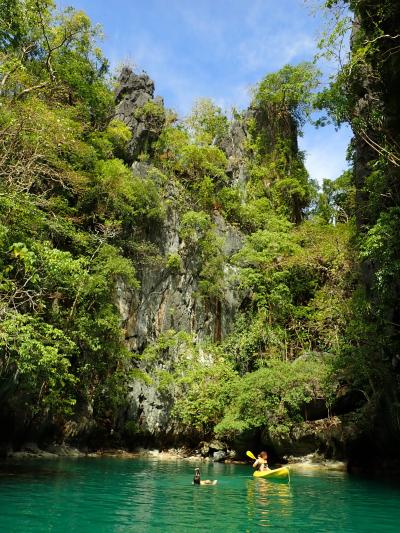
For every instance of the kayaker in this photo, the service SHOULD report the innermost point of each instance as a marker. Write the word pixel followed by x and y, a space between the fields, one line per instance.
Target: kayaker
pixel 261 462
pixel 198 481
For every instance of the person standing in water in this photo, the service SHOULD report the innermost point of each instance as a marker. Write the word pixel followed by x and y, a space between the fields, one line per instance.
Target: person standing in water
pixel 261 463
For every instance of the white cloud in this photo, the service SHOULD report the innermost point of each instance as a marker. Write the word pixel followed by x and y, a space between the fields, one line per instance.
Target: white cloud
pixel 274 51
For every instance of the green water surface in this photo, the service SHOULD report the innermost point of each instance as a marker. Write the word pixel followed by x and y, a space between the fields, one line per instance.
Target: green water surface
pixel 124 495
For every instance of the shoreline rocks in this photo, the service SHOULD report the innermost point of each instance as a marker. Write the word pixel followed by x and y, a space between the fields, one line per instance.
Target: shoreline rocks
pixel 315 461
pixel 54 451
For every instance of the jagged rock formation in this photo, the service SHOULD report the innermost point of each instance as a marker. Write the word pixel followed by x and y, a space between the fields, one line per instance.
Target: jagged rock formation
pixel 168 299
pixel 273 124
pixel 133 93
pixel 233 144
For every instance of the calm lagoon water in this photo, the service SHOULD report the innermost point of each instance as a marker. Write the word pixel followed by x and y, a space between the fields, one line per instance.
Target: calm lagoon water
pixel 131 495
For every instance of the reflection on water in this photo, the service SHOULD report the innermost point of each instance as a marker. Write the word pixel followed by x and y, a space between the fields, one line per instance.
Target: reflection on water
pixel 114 495
pixel 265 499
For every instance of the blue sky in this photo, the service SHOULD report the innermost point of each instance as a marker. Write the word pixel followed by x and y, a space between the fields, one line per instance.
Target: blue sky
pixel 217 49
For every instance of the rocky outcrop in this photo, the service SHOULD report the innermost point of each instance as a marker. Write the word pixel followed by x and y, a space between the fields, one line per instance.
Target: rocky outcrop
pixel 169 298
pixel 137 107
pixel 233 144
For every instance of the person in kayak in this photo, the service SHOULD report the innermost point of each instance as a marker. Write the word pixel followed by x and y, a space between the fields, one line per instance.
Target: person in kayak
pixel 198 481
pixel 261 462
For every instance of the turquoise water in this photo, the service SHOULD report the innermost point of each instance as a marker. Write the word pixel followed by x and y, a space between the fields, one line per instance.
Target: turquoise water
pixel 129 495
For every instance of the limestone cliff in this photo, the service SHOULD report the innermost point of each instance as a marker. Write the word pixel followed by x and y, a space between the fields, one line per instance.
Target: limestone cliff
pixel 168 298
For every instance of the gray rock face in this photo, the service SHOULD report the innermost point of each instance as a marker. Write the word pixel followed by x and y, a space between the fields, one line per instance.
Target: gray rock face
pixel 150 409
pixel 219 456
pixel 168 299
pixel 233 144
pixel 135 91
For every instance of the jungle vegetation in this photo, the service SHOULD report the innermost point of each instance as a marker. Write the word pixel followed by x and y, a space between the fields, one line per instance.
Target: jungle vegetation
pixel 319 265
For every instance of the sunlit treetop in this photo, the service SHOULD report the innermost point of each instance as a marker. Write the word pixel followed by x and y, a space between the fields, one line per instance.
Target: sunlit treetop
pixel 291 89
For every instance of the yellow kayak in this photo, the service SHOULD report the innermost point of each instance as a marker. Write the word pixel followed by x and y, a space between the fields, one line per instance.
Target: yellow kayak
pixel 281 473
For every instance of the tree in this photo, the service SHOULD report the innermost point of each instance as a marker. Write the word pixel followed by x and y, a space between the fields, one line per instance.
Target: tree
pixel 42 50
pixel 207 122
pixel 290 89
pixel 336 201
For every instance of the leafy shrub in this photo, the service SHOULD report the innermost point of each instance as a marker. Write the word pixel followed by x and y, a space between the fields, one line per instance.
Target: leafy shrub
pixel 203 394
pixel 174 263
pixel 273 397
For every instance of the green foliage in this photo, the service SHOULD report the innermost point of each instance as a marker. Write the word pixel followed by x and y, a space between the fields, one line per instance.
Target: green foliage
pixel 194 226
pixel 112 141
pixel 174 263
pixel 265 246
pixel 36 359
pixel 207 122
pixel 273 397
pixel 174 343
pixel 380 247
pixel 203 394
pixel 119 195
pixel 282 102
pixel 336 202
pixel 64 195
pixel 190 154
pixel 54 53
pixel 196 162
pixel 277 169
pixel 362 91
pixel 298 281
pixel 151 112
pixel 361 362
pixel 372 43
pixel 199 234
pixel 154 116
pixel 290 89
pixel 230 202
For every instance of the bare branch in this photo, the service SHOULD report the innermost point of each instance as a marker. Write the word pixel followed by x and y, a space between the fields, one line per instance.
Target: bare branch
pixel 33 88
pixel 48 59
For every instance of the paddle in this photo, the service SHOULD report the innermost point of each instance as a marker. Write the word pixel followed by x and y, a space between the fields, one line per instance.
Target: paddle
pixel 251 455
